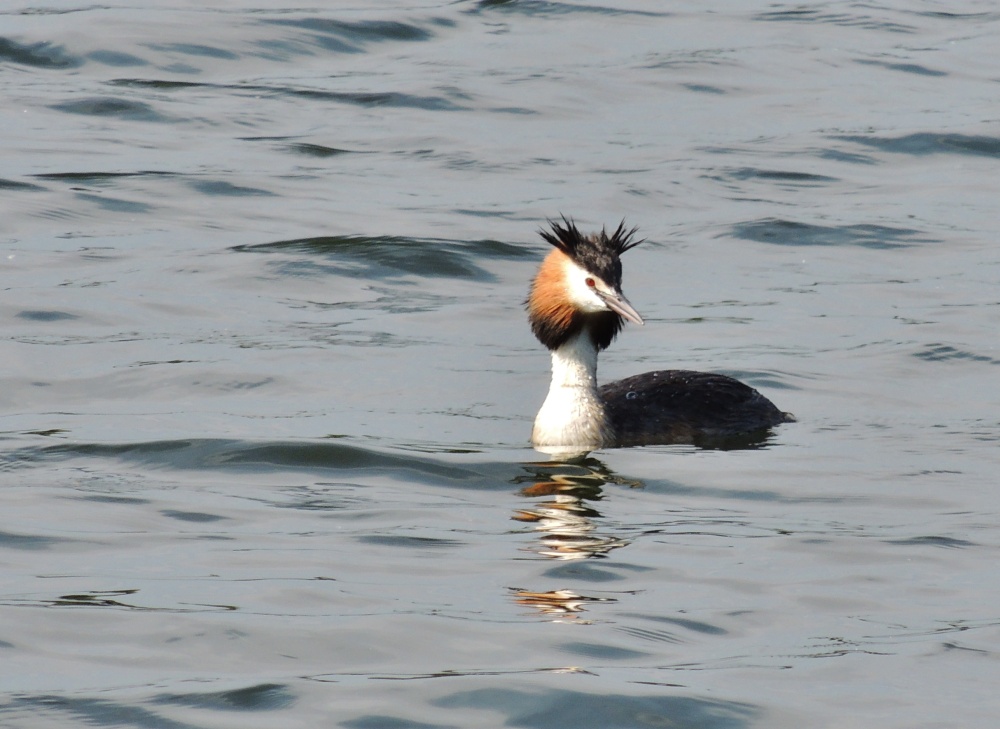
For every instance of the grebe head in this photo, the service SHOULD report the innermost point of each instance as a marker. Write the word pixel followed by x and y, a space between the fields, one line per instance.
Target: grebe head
pixel 579 285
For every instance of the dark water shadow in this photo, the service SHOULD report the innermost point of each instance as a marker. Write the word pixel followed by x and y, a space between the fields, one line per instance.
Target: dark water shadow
pixel 108 106
pixel 792 233
pixel 108 713
pixel 45 315
pixel 409 543
pixel 112 107
pixel 785 177
pixel 6 184
pixel 39 55
pixel 195 49
pixel 110 600
pixel 382 721
pixel 562 709
pixel 938 352
pixel 926 143
pixel 80 711
pixel 100 178
pixel 260 697
pixel 547 8
pixel 853 17
pixel 318 457
pixel 319 151
pixel 226 189
pixel 933 541
pixel 580 479
pixel 914 68
pixel 117 59
pixel 345 36
pixel 115 205
pixel 383 257
pixel 13 540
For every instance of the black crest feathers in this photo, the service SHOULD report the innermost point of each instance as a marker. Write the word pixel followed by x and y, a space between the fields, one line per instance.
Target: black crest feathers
pixel 598 253
pixel 553 320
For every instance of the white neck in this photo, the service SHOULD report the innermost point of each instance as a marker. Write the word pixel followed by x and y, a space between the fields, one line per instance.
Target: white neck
pixel 572 414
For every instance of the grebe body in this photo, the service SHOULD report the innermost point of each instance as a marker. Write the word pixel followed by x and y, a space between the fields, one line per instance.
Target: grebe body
pixel 576 308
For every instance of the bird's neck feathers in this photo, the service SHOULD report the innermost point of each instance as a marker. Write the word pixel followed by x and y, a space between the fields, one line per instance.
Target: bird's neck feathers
pixel 573 414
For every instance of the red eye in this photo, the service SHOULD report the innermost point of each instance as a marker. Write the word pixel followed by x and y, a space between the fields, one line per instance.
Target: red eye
pixel 591 283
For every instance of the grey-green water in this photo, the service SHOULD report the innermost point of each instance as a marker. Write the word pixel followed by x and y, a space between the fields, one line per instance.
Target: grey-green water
pixel 267 385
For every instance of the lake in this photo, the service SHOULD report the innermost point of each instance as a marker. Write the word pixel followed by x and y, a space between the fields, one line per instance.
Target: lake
pixel 268 383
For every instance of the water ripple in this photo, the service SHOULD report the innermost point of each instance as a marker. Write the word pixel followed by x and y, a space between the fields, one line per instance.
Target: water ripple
pixel 39 55
pixel 218 453
pixel 563 708
pixel 388 256
pixel 553 8
pixel 933 541
pixel 260 697
pixel 112 107
pixel 792 233
pixel 847 20
pixel 914 68
pixel 925 143
pixel 358 98
pixel 344 36
pixel 938 352
pixel 16 185
pixel 91 712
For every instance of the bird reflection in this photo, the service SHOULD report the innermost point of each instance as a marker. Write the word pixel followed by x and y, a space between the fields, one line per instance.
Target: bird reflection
pixel 568 526
pixel 565 520
pixel 556 602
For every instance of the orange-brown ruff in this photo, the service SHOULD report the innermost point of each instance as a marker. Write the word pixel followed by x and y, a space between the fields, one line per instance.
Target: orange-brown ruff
pixel 548 301
pixel 576 308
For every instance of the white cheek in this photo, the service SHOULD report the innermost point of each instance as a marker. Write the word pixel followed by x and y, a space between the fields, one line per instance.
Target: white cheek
pixel 582 295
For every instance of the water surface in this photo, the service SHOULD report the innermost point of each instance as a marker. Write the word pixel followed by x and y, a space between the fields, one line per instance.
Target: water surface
pixel 267 383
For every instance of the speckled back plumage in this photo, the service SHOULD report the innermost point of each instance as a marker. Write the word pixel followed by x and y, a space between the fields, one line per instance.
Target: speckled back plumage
pixel 684 406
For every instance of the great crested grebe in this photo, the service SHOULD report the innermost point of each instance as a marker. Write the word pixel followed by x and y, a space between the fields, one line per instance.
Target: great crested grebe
pixel 576 308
